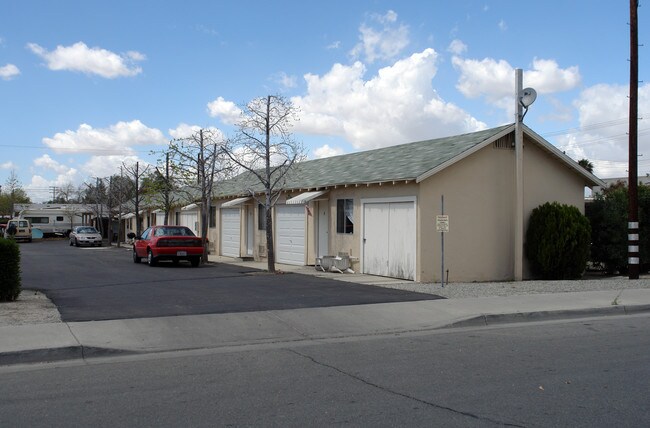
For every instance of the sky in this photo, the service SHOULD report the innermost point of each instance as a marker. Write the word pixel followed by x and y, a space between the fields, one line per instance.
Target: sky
pixel 86 86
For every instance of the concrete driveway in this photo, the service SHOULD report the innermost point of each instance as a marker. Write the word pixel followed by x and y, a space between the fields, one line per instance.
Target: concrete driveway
pixel 103 283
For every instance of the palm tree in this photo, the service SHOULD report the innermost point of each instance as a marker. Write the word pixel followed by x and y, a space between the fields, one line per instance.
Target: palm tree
pixel 586 164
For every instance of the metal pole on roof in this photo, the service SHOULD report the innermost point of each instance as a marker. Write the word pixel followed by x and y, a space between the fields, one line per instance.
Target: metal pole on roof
pixel 519 179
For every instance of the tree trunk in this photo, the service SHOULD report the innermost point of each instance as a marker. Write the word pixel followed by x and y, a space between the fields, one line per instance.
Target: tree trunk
pixel 270 250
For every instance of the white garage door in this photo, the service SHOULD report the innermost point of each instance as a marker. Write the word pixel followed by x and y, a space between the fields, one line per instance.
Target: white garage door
pixel 389 239
pixel 160 218
pixel 230 232
pixel 290 234
pixel 191 220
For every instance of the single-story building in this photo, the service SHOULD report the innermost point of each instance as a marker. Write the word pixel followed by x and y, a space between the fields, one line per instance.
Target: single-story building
pixel 380 206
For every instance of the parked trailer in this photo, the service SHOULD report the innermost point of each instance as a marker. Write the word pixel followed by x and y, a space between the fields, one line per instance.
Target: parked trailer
pixel 53 219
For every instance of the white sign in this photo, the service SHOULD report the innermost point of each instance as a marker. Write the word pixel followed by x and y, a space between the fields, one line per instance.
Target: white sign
pixel 442 223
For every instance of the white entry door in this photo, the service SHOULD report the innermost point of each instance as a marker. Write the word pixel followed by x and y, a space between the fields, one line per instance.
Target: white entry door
pixel 290 234
pixel 323 228
pixel 250 231
pixel 230 232
pixel 389 243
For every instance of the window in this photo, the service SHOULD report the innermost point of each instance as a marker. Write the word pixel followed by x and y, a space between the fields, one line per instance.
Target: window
pixel 145 234
pixel 261 217
pixel 38 220
pixel 344 216
pixel 213 216
pixel 59 218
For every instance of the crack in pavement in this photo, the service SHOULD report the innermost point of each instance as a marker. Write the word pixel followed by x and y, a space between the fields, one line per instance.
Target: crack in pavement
pixel 400 394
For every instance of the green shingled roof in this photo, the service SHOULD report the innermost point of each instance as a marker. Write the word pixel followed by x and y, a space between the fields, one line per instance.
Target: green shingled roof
pixel 395 163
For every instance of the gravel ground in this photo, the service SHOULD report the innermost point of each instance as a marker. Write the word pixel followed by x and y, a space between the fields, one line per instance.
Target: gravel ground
pixel 32 307
pixel 490 289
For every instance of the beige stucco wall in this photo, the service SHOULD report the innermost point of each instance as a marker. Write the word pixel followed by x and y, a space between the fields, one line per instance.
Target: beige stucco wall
pixel 479 199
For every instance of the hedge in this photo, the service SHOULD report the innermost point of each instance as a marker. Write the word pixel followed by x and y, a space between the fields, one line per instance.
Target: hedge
pixel 9 270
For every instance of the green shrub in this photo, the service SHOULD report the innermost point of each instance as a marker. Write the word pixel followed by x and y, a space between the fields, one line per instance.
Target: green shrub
pixel 9 270
pixel 608 215
pixel 557 241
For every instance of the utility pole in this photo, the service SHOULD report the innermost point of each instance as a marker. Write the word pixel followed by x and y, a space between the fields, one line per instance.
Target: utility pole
pixel 633 196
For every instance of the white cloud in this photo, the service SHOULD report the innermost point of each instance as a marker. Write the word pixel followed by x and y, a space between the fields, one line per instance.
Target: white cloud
pixel 334 45
pixel 118 139
pixel 227 111
pixel 183 130
pixel 495 80
pixel 104 166
pixel 457 47
pixel 326 151
pixel 80 57
pixel 9 71
pixel 383 43
pixel 284 80
pixel 398 105
pixel 46 162
pixel 502 25
pixel 9 165
pixel 603 132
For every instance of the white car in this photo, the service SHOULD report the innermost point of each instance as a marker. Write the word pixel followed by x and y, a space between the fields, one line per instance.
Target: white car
pixel 85 235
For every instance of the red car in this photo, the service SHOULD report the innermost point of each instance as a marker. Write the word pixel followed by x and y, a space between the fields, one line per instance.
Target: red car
pixel 173 243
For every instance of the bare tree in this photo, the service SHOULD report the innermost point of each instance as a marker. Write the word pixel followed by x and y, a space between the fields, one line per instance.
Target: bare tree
pixel 135 173
pixel 196 162
pixel 71 211
pixel 161 188
pixel 265 148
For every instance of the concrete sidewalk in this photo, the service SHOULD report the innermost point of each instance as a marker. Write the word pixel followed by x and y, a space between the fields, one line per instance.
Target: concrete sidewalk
pixel 58 341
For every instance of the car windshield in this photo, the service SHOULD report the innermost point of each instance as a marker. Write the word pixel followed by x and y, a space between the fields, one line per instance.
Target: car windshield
pixel 173 231
pixel 87 230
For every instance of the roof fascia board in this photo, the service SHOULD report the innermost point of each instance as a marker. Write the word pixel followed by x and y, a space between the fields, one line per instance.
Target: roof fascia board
pixel 595 181
pixel 465 154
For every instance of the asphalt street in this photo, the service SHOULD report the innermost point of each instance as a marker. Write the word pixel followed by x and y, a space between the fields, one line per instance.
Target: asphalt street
pixel 89 284
pixel 586 373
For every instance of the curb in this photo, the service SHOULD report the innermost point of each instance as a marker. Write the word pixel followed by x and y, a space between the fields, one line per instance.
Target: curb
pixel 493 319
pixel 50 355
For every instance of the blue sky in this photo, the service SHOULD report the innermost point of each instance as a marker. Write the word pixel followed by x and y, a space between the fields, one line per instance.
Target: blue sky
pixel 88 85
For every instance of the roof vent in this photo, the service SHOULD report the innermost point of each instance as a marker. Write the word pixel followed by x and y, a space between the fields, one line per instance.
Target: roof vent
pixel 507 142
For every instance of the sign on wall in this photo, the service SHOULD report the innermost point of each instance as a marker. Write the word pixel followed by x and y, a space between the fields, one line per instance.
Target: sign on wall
pixel 442 223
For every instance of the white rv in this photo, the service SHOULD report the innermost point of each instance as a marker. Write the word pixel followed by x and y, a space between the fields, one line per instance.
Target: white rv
pixel 54 219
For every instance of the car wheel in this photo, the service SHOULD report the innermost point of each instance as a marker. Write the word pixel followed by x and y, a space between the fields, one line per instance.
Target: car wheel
pixel 195 261
pixel 76 242
pixel 136 259
pixel 151 260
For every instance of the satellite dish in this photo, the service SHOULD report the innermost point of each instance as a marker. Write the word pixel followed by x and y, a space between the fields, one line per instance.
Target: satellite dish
pixel 528 96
